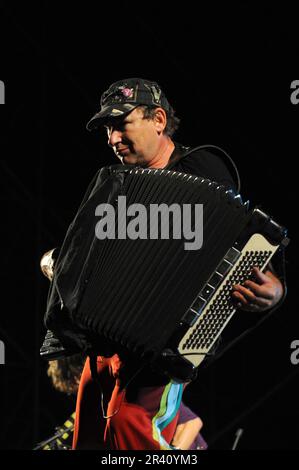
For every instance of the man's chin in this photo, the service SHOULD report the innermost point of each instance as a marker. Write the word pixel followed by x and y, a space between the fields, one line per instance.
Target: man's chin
pixel 129 160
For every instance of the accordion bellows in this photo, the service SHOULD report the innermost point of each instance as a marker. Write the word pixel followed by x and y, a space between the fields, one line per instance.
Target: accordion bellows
pixel 145 295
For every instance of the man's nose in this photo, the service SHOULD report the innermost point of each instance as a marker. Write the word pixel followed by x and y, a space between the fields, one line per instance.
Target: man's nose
pixel 114 137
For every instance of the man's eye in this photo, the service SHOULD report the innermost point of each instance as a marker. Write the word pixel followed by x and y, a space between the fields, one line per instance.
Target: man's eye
pixel 118 127
pixel 122 126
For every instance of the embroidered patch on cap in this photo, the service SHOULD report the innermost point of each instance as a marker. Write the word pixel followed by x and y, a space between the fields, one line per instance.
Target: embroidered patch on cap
pixel 127 92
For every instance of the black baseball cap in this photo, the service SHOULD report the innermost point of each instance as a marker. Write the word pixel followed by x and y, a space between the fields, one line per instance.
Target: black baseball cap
pixel 125 95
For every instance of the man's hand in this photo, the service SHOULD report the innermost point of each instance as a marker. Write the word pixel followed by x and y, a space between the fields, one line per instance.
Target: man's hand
pixel 260 295
pixel 186 433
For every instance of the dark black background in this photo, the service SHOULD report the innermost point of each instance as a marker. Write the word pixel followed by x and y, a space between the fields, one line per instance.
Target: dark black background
pixel 227 71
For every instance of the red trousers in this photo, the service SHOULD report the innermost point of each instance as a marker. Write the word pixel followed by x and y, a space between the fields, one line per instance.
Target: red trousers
pixel 138 417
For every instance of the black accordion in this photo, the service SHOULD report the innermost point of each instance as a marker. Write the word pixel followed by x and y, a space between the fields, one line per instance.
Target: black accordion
pixel 148 295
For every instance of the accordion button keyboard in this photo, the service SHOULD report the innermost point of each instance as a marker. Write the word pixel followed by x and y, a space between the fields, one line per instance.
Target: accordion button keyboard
pixel 190 317
pixel 215 280
pixel 198 305
pixel 207 292
pixel 224 267
pixel 232 255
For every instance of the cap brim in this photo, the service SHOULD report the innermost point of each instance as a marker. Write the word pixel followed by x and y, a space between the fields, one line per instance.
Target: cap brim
pixel 113 111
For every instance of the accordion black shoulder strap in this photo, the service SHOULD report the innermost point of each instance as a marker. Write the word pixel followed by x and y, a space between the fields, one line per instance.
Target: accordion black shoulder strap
pixel 181 151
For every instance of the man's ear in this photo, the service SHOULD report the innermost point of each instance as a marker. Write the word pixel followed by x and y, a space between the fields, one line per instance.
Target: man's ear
pixel 160 120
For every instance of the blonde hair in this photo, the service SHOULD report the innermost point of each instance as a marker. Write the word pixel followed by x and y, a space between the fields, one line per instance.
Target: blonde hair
pixel 65 373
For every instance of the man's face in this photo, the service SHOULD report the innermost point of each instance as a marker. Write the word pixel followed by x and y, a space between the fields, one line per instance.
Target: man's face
pixel 135 140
